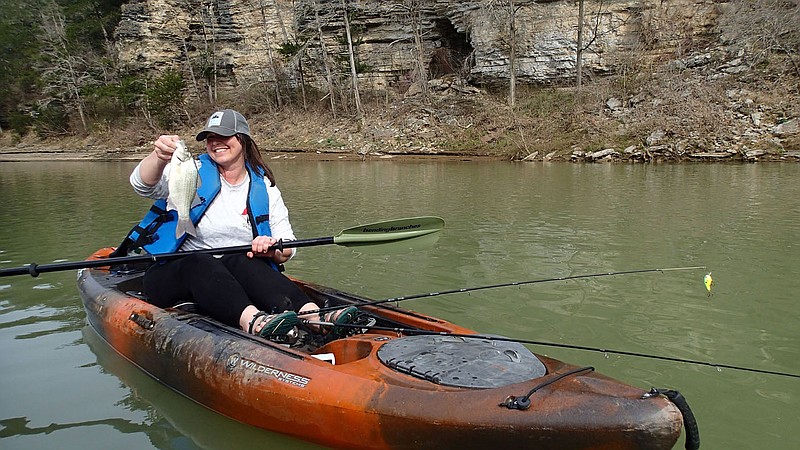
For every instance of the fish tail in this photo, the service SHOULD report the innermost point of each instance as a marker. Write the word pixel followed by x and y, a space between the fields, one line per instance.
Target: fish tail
pixel 185 226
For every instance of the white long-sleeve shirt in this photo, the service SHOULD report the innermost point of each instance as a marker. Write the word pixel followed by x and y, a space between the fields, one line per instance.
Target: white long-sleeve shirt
pixel 225 222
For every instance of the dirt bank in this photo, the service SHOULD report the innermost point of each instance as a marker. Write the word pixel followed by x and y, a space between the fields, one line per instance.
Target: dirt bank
pixel 725 121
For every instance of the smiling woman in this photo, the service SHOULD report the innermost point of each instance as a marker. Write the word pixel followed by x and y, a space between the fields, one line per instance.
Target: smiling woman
pixel 228 142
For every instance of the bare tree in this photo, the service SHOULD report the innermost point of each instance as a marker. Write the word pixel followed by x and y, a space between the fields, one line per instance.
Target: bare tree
pixel 512 52
pixel 293 49
pixel 294 52
pixel 352 57
pixel 186 36
pixel 413 9
pixel 279 16
pixel 210 70
pixel 110 52
pixel 765 28
pixel 325 62
pixel 189 67
pixel 504 12
pixel 64 74
pixel 581 46
pixel 270 56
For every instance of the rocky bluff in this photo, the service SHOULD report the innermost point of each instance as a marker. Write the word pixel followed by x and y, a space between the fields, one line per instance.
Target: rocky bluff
pixel 238 42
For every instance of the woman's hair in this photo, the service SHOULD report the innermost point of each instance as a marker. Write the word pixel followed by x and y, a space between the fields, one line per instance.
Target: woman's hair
pixel 253 157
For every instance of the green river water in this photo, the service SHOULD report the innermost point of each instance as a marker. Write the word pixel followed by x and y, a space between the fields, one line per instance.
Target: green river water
pixel 61 387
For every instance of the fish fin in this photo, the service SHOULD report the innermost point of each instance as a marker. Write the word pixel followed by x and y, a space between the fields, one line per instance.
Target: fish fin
pixel 185 226
pixel 197 165
pixel 196 201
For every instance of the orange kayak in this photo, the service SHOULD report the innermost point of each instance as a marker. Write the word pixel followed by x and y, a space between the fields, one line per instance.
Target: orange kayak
pixel 405 381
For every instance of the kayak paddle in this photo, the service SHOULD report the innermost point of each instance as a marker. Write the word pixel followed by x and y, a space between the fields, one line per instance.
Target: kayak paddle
pixel 389 231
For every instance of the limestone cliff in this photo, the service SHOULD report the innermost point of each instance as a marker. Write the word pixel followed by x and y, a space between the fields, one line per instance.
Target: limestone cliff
pixel 236 43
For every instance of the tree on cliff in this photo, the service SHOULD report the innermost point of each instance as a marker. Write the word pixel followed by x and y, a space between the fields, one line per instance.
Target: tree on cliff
pixel 579 47
pixel 332 34
pixel 65 72
pixel 766 28
pixel 325 61
pixel 412 9
pixel 352 60
pixel 505 12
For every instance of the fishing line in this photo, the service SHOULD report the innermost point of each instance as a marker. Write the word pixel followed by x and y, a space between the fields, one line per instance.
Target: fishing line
pixel 555 344
pixel 543 343
pixel 513 283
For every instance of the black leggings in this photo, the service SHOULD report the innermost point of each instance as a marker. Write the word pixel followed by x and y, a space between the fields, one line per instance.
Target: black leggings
pixel 222 287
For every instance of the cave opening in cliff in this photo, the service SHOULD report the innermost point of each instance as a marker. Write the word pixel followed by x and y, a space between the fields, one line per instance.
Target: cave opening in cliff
pixel 453 55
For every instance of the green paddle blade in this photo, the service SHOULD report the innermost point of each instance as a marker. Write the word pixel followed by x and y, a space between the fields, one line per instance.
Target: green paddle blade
pixel 398 247
pixel 389 231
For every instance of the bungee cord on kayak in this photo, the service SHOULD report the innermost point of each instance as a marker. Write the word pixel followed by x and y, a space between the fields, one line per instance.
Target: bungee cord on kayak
pixel 523 402
pixel 417 331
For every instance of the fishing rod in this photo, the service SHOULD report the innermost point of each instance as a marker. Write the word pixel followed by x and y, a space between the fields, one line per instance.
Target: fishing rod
pixel 416 331
pixel 500 285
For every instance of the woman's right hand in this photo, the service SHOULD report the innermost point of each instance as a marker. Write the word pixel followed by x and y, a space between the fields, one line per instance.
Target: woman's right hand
pixel 153 165
pixel 165 146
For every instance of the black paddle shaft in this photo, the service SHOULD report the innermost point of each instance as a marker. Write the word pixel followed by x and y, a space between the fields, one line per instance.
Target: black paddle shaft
pixel 34 269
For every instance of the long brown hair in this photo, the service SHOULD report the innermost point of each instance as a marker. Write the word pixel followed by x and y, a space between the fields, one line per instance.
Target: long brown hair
pixel 252 156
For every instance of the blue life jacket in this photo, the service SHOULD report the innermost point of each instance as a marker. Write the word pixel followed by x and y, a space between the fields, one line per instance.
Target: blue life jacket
pixel 156 232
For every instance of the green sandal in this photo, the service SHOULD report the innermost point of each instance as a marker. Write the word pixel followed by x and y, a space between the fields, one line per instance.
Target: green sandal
pixel 341 317
pixel 277 325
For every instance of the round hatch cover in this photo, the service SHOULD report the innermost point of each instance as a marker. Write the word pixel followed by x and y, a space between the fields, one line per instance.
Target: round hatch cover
pixel 462 362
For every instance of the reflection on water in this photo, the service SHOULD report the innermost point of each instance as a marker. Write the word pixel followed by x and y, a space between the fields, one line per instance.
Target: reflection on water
pixel 178 418
pixel 504 223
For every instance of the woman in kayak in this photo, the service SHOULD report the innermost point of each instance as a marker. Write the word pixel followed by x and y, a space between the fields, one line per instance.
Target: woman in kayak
pixel 238 204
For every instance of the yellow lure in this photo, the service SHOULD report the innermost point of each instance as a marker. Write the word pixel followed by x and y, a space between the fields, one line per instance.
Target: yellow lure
pixel 708 281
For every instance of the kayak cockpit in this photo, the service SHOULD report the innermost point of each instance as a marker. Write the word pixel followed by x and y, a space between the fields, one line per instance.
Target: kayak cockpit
pixel 444 360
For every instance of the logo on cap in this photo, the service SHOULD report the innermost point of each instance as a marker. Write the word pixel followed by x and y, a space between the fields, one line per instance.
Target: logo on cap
pixel 216 119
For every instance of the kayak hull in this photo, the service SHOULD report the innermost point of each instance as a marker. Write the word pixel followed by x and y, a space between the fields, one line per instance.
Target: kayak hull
pixel 360 402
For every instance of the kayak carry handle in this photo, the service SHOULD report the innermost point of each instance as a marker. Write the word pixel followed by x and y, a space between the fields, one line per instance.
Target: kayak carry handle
pixel 689 422
pixel 524 402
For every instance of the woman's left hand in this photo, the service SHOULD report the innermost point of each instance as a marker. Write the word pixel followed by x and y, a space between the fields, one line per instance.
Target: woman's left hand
pixel 261 248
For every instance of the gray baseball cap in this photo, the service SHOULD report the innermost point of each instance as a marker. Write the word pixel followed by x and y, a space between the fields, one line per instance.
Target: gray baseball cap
pixel 225 123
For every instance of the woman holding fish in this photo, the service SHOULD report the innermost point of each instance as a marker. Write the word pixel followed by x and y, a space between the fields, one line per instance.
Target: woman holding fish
pixel 230 199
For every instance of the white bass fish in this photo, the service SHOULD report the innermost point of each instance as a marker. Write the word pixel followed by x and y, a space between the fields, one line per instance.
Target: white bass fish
pixel 183 184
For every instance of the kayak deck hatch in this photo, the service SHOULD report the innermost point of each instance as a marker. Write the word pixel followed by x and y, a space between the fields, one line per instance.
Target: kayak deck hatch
pixel 462 362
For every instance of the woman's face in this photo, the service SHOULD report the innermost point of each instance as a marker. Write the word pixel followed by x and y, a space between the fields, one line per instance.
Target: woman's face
pixel 224 150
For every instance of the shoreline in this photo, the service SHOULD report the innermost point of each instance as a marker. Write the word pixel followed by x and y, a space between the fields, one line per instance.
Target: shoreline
pixel 28 154
pixel 48 154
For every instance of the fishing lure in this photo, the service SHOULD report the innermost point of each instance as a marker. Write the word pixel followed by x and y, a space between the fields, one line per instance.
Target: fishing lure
pixel 708 281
